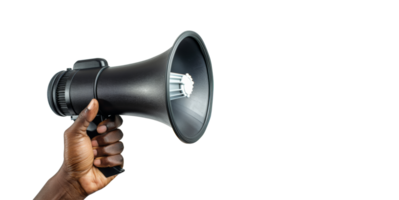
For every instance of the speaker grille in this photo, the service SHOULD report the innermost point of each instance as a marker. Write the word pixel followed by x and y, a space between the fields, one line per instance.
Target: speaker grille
pixel 60 93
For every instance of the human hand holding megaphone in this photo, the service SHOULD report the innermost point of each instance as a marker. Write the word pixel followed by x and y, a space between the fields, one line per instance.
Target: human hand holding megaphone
pixel 82 157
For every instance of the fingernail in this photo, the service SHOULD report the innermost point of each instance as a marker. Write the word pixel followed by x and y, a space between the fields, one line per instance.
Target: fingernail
pixel 102 129
pixel 94 143
pixel 91 104
pixel 97 162
pixel 95 152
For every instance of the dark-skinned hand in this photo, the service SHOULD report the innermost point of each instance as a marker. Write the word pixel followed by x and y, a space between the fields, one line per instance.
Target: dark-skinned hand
pixel 82 157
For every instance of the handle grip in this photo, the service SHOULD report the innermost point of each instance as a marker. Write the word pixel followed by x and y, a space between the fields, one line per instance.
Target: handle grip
pixel 92 132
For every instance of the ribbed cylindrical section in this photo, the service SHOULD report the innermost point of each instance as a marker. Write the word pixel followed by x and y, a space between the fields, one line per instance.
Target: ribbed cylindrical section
pixel 60 93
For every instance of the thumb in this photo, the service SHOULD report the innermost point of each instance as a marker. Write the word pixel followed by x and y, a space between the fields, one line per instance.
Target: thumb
pixel 86 116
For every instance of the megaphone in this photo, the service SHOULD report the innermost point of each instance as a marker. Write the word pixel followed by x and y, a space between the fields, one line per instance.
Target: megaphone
pixel 175 88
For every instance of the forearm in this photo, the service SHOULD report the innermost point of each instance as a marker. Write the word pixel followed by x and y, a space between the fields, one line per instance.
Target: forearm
pixel 58 187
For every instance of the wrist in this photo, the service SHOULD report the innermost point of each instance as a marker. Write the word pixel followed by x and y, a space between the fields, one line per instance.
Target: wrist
pixel 61 187
pixel 71 186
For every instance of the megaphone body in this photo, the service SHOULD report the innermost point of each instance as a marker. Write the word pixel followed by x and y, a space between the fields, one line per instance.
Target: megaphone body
pixel 175 88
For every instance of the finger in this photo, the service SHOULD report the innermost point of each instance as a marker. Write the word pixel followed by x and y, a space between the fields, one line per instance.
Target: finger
pixel 86 116
pixel 109 161
pixel 110 150
pixel 108 138
pixel 110 124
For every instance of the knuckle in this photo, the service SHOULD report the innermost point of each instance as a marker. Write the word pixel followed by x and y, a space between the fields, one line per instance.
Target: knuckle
pixel 122 121
pixel 122 134
pixel 119 120
pixel 121 146
pixel 118 148
pixel 120 159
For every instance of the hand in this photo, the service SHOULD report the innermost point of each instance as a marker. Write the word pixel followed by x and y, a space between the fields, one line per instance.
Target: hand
pixel 80 164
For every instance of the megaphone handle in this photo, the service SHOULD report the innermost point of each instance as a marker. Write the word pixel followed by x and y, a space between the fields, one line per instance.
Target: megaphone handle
pixel 92 132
